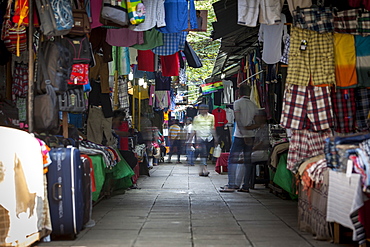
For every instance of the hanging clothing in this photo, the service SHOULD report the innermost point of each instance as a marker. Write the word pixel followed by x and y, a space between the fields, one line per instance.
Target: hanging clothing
pixel 363 60
pixel 362 108
pixel 162 83
pixel 307 108
pixel 170 65
pixel 271 36
pixel 152 39
pixel 133 55
pixel 313 61
pixel 154 16
pixel 285 57
pixel 305 144
pixel 124 37
pixel 228 91
pixel 178 14
pixel 345 60
pixel 344 108
pixel 263 11
pixel 172 43
pixel 145 60
pixel 100 72
pixel 95 11
pixel 220 117
pixel 121 61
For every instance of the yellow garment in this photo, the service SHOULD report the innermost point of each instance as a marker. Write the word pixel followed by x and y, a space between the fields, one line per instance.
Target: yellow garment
pixel 345 60
pixel 144 92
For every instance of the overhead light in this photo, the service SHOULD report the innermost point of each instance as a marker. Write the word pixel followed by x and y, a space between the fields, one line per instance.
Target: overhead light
pixel 223 76
pixel 130 76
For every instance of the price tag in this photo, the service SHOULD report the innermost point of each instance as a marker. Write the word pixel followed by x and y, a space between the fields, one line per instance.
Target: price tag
pixel 303 46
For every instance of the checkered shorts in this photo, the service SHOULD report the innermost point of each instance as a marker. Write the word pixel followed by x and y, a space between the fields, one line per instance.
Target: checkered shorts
pixel 305 144
pixel 307 103
pixel 316 19
pixel 316 62
pixel 344 108
pixel 346 21
pixel 362 108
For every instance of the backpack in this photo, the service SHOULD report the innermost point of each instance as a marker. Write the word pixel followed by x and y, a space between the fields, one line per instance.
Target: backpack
pixel 73 100
pixel 58 60
pixel 56 17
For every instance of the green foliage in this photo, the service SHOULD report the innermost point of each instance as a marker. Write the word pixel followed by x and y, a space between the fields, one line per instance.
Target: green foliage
pixel 205 48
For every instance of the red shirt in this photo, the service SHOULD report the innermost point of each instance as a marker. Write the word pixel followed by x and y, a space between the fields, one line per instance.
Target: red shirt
pixel 220 117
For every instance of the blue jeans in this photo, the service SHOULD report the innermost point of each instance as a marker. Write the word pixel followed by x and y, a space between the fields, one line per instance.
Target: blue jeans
pixel 237 147
pixel 190 154
pixel 202 149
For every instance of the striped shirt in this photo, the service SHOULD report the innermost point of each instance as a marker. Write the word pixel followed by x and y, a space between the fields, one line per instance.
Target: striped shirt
pixel 174 132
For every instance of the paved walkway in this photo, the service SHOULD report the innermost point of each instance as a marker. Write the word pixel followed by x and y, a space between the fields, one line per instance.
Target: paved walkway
pixel 176 207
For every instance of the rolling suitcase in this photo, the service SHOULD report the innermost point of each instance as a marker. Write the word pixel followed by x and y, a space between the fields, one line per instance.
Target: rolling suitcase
pixel 87 191
pixel 65 192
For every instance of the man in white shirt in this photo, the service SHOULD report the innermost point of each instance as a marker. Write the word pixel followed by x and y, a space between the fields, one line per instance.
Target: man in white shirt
pixel 245 111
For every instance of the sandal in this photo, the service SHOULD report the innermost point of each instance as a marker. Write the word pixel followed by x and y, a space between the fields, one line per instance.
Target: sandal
pixel 226 188
pixel 243 190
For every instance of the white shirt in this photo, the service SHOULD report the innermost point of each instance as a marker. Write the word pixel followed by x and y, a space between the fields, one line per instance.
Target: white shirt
pixel 230 116
pixel 154 16
pixel 247 110
pixel 272 36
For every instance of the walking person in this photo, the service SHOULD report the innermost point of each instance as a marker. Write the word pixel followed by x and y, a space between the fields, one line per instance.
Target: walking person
pixel 204 131
pixel 175 143
pixel 245 111
pixel 190 149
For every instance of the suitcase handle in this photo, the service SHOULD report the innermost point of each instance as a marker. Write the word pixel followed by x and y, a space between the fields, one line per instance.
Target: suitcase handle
pixel 57 191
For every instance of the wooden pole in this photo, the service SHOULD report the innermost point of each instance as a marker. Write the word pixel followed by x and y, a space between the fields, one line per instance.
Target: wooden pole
pixel 30 95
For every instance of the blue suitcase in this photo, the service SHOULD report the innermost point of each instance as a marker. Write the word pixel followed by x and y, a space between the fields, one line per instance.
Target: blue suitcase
pixel 65 192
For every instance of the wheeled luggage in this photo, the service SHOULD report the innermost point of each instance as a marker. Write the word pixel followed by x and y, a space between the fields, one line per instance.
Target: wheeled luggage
pixel 87 193
pixel 65 192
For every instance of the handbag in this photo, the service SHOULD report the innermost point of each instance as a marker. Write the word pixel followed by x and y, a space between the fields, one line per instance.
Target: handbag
pixel 115 13
pixel 191 57
pixel 13 34
pixel 136 11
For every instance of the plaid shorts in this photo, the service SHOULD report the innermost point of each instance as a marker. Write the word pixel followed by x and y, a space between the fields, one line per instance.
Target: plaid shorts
pixel 301 103
pixel 362 107
pixel 346 21
pixel 316 62
pixel 316 19
pixel 344 108
pixel 364 24
pixel 305 144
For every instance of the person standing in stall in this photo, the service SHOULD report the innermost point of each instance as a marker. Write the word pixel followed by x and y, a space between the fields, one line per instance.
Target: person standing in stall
pixel 204 130
pixel 175 143
pixel 245 111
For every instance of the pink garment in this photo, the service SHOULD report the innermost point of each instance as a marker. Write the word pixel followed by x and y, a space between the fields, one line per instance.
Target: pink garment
pixel 151 92
pixel 124 37
pixel 95 13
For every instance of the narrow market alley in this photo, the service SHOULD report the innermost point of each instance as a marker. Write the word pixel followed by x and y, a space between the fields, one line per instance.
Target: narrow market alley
pixel 177 207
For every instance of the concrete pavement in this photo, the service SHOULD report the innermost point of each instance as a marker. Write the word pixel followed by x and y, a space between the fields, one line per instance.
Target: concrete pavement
pixel 176 207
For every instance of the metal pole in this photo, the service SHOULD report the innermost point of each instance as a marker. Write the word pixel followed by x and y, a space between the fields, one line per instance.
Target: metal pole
pixel 31 65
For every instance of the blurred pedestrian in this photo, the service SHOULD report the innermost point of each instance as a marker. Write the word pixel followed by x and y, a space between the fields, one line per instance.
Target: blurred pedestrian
pixel 204 131
pixel 175 143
